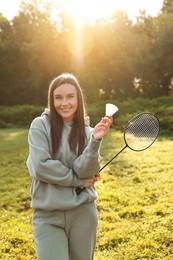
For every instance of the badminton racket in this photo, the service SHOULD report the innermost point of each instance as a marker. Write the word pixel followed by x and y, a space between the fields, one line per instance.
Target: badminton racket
pixel 140 133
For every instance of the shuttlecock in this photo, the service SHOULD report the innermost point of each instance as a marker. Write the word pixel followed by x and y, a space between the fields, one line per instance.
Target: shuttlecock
pixel 111 109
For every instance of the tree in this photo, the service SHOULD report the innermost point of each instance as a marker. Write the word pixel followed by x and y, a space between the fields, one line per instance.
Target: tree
pixel 36 57
pixel 6 54
pixel 112 59
pixel 155 58
pixel 167 7
pixel 163 53
pixel 112 55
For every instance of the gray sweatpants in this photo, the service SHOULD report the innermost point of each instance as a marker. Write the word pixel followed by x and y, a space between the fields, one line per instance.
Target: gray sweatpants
pixel 66 235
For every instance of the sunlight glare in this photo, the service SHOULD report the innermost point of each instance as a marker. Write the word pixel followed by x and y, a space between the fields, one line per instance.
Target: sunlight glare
pixel 90 10
pixel 93 10
pixel 9 8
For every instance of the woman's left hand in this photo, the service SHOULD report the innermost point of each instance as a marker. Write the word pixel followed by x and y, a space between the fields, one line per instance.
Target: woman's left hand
pixel 102 128
pixel 90 181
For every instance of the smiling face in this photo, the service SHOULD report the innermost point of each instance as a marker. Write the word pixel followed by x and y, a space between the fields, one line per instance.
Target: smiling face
pixel 65 101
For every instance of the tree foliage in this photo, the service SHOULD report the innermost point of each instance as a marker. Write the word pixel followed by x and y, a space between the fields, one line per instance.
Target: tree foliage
pixel 167 6
pixel 115 58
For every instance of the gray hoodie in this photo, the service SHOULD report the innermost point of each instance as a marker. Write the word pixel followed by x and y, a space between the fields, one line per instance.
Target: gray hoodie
pixel 54 181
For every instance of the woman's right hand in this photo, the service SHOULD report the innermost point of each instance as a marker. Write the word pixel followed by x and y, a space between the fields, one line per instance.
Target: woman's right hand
pixel 102 128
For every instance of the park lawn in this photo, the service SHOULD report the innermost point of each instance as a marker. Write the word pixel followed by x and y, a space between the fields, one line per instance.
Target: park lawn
pixel 135 203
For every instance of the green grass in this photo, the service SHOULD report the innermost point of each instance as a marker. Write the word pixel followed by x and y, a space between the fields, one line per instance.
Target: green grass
pixel 135 202
pixel 15 222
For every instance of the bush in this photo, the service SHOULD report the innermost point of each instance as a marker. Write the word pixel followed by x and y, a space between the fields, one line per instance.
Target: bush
pixel 21 116
pixel 18 116
pixel 162 107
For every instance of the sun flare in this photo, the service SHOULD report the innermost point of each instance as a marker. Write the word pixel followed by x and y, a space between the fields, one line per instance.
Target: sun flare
pixel 83 11
pixel 88 10
pixel 92 10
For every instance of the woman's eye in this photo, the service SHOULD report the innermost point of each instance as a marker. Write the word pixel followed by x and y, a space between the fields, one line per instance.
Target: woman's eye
pixel 71 96
pixel 57 97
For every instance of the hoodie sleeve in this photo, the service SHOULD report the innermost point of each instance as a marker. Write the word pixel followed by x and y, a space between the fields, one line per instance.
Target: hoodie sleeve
pixel 88 163
pixel 40 163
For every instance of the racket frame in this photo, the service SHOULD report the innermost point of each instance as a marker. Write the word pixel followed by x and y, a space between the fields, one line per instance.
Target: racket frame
pixel 136 116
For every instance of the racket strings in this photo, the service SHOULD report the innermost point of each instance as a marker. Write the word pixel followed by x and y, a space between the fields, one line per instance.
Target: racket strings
pixel 141 131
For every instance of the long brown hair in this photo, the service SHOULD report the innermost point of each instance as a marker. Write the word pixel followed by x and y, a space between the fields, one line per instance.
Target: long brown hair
pixel 77 137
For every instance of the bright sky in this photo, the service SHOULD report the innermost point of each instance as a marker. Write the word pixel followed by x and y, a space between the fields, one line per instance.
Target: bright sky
pixel 92 9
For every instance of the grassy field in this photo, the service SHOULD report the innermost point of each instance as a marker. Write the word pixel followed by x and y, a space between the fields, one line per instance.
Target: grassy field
pixel 135 201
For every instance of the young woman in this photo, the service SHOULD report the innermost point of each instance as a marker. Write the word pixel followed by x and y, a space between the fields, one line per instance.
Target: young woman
pixel 63 163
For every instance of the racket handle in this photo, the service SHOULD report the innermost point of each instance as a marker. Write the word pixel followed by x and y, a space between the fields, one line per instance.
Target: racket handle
pixel 79 190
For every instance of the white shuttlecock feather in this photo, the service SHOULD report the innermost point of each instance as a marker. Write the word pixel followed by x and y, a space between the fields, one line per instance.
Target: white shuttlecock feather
pixel 111 109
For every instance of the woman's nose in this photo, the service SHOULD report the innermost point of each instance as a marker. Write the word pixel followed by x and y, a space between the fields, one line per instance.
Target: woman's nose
pixel 64 102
